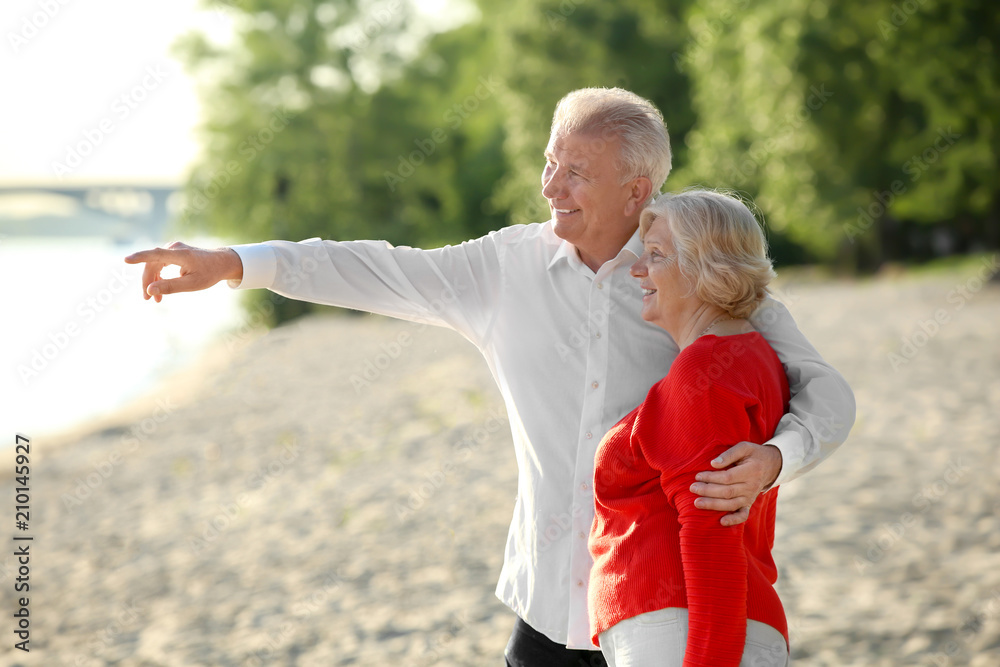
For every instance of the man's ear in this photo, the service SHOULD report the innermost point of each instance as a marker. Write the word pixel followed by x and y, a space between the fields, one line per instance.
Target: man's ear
pixel 639 190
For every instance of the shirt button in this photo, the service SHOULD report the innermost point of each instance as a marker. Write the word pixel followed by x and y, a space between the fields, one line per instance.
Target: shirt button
pixel 598 334
pixel 583 486
pixel 594 385
pixel 579 582
pixel 589 435
pixel 582 535
pixel 600 285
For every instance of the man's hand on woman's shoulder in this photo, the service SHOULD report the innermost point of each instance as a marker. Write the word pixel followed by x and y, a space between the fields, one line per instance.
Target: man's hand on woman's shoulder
pixel 743 472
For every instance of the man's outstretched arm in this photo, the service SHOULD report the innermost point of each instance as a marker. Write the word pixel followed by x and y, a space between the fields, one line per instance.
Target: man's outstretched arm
pixel 454 286
pixel 199 268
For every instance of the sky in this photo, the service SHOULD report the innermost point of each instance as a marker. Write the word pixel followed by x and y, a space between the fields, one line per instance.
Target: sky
pixel 97 77
pixel 92 93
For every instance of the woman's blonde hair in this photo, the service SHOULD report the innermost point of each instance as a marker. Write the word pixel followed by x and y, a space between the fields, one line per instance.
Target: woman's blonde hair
pixel 720 247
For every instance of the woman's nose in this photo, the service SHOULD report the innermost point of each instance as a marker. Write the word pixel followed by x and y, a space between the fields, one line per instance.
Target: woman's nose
pixel 638 269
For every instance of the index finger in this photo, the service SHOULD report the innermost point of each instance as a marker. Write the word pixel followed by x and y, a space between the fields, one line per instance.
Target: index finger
pixel 718 477
pixel 154 255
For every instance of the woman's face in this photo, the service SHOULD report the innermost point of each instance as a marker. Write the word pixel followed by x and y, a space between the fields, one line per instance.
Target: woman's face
pixel 663 285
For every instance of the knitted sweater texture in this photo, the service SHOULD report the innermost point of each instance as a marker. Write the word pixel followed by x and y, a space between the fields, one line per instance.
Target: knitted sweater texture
pixel 652 547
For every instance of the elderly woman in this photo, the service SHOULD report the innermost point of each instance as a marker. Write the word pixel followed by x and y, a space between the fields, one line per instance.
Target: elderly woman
pixel 670 585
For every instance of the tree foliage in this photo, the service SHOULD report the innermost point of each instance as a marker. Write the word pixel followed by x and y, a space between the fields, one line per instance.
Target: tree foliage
pixel 865 131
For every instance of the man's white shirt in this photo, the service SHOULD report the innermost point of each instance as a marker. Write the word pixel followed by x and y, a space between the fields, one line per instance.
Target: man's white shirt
pixel 571 356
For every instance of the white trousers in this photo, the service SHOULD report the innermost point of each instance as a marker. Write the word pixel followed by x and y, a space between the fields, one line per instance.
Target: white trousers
pixel 659 638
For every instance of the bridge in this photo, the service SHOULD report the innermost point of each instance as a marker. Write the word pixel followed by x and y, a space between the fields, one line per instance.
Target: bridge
pixel 122 211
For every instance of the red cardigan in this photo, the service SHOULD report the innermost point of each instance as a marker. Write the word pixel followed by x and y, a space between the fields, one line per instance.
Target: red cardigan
pixel 652 548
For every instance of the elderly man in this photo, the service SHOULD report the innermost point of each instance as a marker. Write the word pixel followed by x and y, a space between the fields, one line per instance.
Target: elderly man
pixel 552 308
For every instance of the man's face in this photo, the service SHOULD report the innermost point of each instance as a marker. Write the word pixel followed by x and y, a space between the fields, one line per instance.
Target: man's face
pixel 588 203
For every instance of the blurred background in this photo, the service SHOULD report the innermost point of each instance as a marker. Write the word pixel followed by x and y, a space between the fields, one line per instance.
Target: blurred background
pixel 867 133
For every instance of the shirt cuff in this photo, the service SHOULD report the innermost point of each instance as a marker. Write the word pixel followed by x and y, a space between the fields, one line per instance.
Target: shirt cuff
pixel 260 265
pixel 789 443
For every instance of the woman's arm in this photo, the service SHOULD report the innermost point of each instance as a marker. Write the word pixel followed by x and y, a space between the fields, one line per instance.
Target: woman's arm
pixel 680 431
pixel 715 577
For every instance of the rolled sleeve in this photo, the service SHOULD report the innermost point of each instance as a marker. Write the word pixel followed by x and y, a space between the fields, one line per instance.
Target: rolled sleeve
pixel 793 453
pixel 260 266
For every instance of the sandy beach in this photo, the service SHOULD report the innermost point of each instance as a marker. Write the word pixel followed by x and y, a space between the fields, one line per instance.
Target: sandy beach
pixel 337 492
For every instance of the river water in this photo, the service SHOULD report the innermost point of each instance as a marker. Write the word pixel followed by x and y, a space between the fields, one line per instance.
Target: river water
pixel 78 340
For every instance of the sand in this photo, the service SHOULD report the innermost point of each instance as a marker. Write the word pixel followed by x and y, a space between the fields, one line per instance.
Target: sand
pixel 337 492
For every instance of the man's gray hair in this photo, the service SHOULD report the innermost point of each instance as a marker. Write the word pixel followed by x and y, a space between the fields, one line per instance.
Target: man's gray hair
pixel 614 112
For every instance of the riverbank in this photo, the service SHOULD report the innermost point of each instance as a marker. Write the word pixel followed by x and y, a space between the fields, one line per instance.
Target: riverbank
pixel 337 492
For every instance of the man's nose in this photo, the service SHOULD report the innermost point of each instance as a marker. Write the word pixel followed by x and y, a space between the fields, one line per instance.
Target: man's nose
pixel 552 186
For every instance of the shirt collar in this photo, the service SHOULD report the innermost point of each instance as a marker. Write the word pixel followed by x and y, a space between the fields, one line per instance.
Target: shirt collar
pixel 567 251
pixel 634 246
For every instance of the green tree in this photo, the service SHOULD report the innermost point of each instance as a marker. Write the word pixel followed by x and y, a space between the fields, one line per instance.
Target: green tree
pixel 322 123
pixel 854 125
pixel 546 48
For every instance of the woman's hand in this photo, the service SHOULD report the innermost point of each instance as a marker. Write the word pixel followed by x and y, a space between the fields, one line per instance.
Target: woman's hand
pixel 742 473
